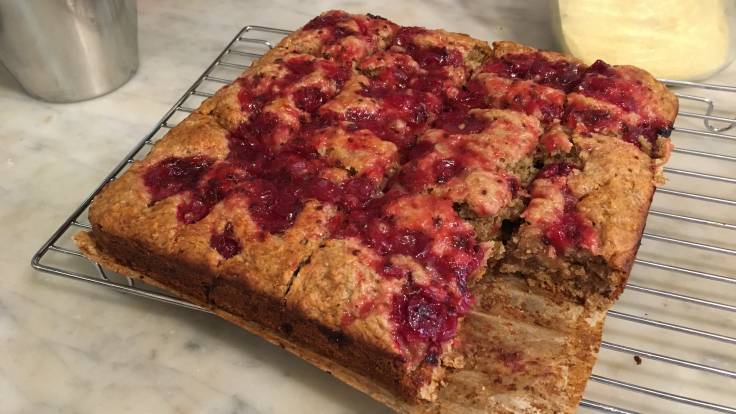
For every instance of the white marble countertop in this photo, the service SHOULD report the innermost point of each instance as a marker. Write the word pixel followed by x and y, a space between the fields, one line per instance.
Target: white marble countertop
pixel 68 347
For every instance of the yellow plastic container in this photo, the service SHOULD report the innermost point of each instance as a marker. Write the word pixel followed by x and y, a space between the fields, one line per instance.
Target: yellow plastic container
pixel 672 39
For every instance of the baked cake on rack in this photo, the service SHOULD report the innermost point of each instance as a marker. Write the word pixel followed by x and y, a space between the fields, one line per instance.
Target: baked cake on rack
pixel 364 191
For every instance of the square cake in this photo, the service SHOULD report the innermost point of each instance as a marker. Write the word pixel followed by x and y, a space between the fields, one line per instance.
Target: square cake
pixel 364 188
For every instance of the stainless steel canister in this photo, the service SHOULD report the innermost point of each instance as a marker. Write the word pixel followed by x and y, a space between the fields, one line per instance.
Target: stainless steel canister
pixel 69 50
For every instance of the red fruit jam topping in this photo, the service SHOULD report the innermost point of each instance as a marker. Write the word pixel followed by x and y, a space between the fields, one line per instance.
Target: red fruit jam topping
pixel 402 115
pixel 602 82
pixel 570 229
pixel 258 91
pixel 593 120
pixel 334 26
pixel 432 57
pixel 535 100
pixel 309 99
pixel 423 319
pixel 447 168
pixel 175 175
pixel 225 243
pixel 559 74
pixel 556 170
pixel 460 122
pixel 580 118
pixel 329 19
pixel 280 182
pixel 424 314
pixel 416 175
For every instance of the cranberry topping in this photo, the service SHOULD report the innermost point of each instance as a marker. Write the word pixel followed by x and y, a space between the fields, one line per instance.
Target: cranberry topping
pixel 257 91
pixel 559 74
pixel 415 175
pixel 534 100
pixel 607 89
pixel 571 229
pixel 403 114
pixel 309 99
pixel 435 57
pixel 473 96
pixel 432 57
pixel 377 229
pixel 456 109
pixel 299 67
pixel 277 183
pixel 421 149
pixel 514 185
pixel 282 181
pixel 175 175
pixel 225 243
pixel 602 82
pixel 329 19
pixel 594 120
pixel 601 68
pixel 422 318
pixel 460 122
pixel 391 77
pixel 650 130
pixel 405 36
pixel 582 119
pixel 555 170
pixel 331 26
pixel 424 314
pixel 447 168
pixel 379 124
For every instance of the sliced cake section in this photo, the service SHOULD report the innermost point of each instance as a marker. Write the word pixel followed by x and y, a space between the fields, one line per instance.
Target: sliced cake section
pixel 387 292
pixel 582 227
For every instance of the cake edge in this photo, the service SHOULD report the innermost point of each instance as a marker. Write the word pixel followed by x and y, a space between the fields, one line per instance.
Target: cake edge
pixel 268 315
pixel 582 350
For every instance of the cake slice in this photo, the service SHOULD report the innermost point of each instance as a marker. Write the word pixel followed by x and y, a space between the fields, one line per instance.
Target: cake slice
pixel 387 293
pixel 581 229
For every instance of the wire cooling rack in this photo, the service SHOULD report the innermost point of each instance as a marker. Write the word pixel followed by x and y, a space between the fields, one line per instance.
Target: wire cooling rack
pixel 670 342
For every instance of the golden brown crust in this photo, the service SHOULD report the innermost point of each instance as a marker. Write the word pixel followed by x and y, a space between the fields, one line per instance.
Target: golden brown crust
pixel 615 188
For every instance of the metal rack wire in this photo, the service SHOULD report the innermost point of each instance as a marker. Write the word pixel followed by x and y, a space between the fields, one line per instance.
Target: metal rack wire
pixel 693 278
